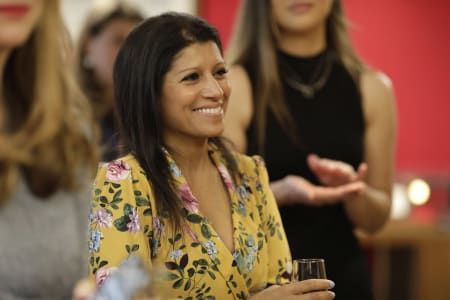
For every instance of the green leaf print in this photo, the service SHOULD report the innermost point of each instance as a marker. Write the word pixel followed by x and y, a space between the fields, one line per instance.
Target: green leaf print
pixel 184 261
pixel 194 218
pixel 187 286
pixel 127 209
pixel 171 265
pixel 172 276
pixel 206 232
pixel 103 199
pixel 140 201
pixel 121 223
pixel 178 283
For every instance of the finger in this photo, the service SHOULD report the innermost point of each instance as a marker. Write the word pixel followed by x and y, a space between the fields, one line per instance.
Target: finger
pixel 320 295
pixel 331 172
pixel 362 171
pixel 312 160
pixel 329 195
pixel 310 285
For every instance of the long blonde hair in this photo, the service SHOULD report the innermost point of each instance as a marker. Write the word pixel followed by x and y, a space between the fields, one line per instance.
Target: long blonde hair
pixel 47 135
pixel 254 46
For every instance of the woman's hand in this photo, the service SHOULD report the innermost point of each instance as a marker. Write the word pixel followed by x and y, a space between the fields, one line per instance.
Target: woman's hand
pixel 295 189
pixel 311 289
pixel 335 173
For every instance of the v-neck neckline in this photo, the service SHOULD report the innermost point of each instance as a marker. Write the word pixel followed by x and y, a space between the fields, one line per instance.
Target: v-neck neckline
pixel 192 205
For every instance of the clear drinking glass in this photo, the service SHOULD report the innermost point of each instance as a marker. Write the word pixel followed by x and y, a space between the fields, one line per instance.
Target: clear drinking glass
pixel 308 268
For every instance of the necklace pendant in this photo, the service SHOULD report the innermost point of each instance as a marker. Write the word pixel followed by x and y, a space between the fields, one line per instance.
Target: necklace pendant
pixel 308 92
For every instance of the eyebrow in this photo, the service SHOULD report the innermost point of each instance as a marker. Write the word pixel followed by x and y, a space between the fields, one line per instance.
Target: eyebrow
pixel 194 68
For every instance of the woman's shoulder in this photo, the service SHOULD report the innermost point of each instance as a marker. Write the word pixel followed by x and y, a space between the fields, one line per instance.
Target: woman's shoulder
pixel 377 91
pixel 373 78
pixel 120 168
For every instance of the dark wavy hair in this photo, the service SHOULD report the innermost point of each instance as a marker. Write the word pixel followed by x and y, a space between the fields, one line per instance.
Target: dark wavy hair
pixel 145 57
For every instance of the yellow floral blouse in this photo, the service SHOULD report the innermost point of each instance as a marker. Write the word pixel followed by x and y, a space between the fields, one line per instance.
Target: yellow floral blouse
pixel 124 221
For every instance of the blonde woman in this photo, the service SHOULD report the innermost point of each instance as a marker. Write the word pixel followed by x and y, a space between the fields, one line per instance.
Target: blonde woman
pixel 102 35
pixel 47 156
pixel 323 120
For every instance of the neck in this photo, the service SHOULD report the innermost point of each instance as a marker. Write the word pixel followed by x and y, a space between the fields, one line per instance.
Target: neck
pixel 303 43
pixel 191 157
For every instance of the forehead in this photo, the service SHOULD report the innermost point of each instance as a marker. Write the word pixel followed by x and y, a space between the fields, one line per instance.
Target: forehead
pixel 196 53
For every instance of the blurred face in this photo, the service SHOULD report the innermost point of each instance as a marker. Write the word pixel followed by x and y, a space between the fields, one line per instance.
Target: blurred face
pixel 17 20
pixel 300 16
pixel 102 49
pixel 195 93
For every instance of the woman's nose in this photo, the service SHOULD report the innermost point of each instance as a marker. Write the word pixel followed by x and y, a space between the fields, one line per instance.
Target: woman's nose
pixel 212 89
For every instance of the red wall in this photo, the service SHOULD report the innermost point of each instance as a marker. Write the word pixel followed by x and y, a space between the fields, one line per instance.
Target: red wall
pixel 410 41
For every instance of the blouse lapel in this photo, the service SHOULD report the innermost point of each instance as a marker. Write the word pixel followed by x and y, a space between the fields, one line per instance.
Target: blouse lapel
pixel 201 230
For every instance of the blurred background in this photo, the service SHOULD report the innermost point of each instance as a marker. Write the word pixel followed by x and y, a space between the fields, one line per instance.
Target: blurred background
pixel 409 41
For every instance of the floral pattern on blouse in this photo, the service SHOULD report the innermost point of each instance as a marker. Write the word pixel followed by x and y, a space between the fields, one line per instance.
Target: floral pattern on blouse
pixel 124 221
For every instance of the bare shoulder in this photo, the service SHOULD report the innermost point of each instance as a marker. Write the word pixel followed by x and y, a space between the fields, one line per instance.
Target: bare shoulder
pixel 377 91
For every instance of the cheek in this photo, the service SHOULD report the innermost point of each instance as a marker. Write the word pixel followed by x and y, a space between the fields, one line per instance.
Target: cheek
pixel 226 88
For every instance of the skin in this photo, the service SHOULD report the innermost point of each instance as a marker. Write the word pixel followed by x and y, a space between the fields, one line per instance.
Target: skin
pixel 365 192
pixel 102 51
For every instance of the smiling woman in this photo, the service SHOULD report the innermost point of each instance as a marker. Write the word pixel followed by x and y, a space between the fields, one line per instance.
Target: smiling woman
pixel 195 92
pixel 180 199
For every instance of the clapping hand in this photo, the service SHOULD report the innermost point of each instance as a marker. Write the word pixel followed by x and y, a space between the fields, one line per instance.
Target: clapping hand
pixel 340 181
pixel 335 173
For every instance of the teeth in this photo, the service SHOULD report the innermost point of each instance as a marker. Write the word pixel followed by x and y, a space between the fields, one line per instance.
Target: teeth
pixel 210 111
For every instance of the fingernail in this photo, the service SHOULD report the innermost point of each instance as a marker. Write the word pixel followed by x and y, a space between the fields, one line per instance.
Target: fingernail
pixel 331 284
pixel 332 293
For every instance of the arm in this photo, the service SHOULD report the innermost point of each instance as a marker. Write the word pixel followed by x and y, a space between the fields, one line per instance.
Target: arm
pixel 371 208
pixel 117 222
pixel 291 189
pixel 240 109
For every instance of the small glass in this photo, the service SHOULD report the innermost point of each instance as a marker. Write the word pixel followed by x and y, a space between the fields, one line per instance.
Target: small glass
pixel 308 268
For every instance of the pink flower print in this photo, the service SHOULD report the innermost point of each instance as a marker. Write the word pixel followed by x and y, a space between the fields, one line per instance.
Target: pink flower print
pixel 191 233
pixel 102 218
pixel 117 170
pixel 187 198
pixel 226 177
pixel 134 225
pixel 102 274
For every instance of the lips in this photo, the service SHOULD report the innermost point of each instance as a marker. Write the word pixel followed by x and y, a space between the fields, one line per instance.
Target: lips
pixel 14 11
pixel 300 7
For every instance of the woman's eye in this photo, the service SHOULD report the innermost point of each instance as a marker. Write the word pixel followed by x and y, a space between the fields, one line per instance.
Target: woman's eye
pixel 191 77
pixel 222 71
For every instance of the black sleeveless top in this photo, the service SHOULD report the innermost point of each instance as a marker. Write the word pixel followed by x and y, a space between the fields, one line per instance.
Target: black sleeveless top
pixel 331 125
